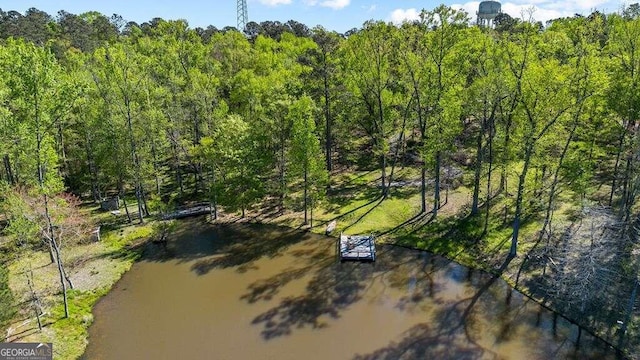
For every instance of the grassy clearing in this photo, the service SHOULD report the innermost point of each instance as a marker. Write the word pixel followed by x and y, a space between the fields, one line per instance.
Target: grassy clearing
pixel 69 335
pixel 356 205
pixel 94 268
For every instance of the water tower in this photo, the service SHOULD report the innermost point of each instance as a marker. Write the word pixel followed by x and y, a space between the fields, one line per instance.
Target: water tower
pixel 487 12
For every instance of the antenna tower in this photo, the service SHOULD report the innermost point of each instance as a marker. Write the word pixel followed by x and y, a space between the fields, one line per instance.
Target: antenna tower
pixel 243 15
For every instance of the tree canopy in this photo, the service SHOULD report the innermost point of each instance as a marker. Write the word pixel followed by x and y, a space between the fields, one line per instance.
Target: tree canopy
pixel 532 116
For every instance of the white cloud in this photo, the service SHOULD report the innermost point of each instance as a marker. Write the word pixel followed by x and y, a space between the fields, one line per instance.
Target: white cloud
pixel 398 16
pixel 333 4
pixel 275 2
pixel 543 10
pixel 577 5
pixel 538 12
pixel 370 8
pixel 470 8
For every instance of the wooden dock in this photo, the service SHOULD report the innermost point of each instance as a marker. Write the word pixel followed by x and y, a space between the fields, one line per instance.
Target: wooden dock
pixel 196 210
pixel 357 247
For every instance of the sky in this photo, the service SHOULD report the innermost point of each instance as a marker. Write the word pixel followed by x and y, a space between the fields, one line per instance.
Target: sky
pixel 338 15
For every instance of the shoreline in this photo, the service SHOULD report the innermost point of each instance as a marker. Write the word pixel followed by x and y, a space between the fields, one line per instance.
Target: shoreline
pixel 132 252
pixel 490 271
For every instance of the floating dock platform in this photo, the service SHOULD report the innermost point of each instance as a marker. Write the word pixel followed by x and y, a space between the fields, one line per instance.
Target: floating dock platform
pixel 357 247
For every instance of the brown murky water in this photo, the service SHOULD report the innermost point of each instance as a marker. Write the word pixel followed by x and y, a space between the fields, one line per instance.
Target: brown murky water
pixel 262 292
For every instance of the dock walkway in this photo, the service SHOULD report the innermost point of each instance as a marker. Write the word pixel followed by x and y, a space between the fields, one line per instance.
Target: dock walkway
pixel 196 210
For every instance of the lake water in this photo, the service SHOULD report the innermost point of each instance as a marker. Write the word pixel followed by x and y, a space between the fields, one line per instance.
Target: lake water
pixel 264 292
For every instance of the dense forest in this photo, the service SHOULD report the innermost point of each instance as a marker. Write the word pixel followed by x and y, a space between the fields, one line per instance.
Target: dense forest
pixel 542 119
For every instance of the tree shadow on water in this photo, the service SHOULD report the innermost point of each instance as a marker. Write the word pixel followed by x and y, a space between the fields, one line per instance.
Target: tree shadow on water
pixel 266 289
pixel 427 341
pixel 444 336
pixel 212 247
pixel 448 335
pixel 331 290
pixel 243 244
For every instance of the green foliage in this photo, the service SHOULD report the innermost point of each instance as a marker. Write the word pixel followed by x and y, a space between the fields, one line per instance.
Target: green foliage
pixel 22 228
pixel 35 82
pixel 232 152
pixel 74 329
pixel 164 227
pixel 158 206
pixel 7 308
pixel 368 60
pixel 305 154
pixel 173 115
pixel 28 224
pixel 118 240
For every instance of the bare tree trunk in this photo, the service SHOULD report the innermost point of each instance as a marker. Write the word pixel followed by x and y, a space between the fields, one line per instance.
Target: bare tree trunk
pixel 156 170
pixel 423 189
pixel 399 143
pixel 383 175
pixel 592 146
pixel 507 142
pixel 135 160
pixel 139 202
pixel 144 200
pixel 35 301
pixel 383 138
pixel 616 168
pixel 214 200
pixel 550 202
pixel 60 145
pixel 178 171
pixel 282 160
pixel 243 193
pixel 328 122
pixel 628 189
pixel 311 214
pixel 556 178
pixel 423 169
pixel 200 176
pixel 95 189
pixel 121 194
pixel 487 203
pixel 519 196
pixel 54 244
pixel 62 279
pixel 49 232
pixel 67 278
pixel 196 140
pixel 52 257
pixel 422 124
pixel 305 194
pixel 174 137
pixel 629 313
pixel 7 168
pixel 436 196
pixel 478 167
